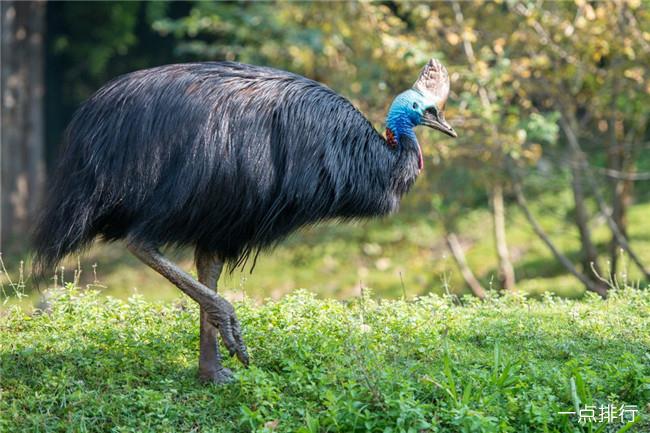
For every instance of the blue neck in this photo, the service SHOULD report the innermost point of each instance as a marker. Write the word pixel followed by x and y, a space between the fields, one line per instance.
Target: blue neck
pixel 399 122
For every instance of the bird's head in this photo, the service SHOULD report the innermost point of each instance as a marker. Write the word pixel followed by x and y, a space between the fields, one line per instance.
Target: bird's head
pixel 423 104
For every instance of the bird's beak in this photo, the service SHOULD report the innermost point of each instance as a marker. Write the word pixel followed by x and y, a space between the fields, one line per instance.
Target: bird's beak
pixel 437 121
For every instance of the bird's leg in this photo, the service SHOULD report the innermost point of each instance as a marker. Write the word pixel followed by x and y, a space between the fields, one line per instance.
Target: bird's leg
pixel 209 268
pixel 219 312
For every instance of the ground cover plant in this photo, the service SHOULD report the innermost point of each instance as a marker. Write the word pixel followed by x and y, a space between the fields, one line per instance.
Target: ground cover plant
pixel 430 364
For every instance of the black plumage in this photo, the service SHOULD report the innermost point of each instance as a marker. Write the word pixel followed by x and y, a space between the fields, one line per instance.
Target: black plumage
pixel 223 157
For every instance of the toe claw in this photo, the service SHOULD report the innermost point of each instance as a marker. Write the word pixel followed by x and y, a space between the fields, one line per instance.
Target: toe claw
pixel 228 325
pixel 242 355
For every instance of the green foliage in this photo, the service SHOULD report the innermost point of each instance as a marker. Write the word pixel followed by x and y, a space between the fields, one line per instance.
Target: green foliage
pixel 93 38
pixel 542 127
pixel 505 365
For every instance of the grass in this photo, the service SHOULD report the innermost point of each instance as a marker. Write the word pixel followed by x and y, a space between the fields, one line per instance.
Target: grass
pixel 431 364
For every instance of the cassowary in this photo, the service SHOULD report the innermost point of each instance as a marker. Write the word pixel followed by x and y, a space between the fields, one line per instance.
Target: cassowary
pixel 228 159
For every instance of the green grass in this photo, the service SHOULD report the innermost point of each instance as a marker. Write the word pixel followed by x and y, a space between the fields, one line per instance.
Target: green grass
pixel 98 364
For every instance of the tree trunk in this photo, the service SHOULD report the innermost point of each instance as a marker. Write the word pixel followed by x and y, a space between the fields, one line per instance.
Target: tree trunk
pixel 619 159
pixel 614 162
pixel 506 271
pixel 621 198
pixel 22 148
pixel 589 254
pixel 459 256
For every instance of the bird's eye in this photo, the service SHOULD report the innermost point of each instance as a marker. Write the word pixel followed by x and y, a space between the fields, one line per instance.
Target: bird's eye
pixel 415 105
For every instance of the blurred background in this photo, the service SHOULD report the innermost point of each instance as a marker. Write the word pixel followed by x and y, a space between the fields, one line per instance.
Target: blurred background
pixel 546 188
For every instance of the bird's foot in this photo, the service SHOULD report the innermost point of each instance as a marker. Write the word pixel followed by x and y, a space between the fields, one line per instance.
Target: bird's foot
pixel 219 376
pixel 225 320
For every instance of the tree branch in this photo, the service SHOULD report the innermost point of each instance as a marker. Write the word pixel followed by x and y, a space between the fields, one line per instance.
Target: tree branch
pixel 459 256
pixel 523 205
pixel 621 175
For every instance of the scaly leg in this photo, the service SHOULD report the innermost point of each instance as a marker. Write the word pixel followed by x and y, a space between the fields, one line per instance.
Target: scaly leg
pixel 218 311
pixel 209 268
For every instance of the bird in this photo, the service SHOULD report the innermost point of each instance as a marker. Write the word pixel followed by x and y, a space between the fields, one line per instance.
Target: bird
pixel 227 159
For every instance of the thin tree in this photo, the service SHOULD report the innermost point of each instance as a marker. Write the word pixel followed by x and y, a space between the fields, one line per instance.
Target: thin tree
pixel 22 143
pixel 495 192
pixel 616 231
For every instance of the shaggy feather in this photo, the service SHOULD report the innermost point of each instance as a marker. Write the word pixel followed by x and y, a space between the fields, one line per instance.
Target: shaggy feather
pixel 224 157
